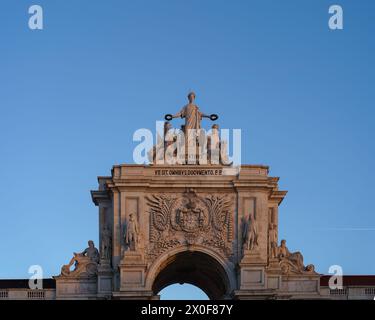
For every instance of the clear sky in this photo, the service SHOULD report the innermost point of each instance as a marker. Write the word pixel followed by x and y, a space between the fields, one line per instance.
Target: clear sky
pixel 72 95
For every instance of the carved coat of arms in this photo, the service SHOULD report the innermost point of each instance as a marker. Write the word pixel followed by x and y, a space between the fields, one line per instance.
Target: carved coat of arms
pixel 189 219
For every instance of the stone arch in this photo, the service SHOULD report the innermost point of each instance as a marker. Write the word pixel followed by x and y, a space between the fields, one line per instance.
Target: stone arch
pixel 195 265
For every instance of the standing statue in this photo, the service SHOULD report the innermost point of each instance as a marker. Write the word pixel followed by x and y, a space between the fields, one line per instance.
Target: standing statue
pixel 106 244
pixel 250 234
pixel 131 234
pixel 273 240
pixel 192 114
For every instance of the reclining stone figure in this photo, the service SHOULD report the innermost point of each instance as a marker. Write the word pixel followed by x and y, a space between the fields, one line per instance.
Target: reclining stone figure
pixel 85 263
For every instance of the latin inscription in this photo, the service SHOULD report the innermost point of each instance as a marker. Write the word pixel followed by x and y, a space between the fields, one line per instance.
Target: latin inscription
pixel 188 172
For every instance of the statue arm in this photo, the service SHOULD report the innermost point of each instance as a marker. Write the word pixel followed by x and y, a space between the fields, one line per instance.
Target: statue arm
pixel 71 262
pixel 179 114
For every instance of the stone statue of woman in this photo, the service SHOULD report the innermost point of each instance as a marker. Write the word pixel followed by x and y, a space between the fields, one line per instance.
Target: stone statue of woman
pixel 191 113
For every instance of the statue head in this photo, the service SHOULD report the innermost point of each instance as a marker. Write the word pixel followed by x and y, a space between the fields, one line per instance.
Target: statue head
pixel 283 243
pixel 91 243
pixel 310 268
pixel 215 126
pixel 191 97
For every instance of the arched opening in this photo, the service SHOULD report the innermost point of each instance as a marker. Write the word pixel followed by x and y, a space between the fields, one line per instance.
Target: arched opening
pixel 182 292
pixel 195 268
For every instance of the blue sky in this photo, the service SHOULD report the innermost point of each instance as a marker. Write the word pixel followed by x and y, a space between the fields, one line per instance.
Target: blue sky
pixel 72 95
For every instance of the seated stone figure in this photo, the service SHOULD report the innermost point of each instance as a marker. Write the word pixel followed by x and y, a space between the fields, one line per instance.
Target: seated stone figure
pixel 85 263
pixel 292 262
pixel 157 152
pixel 91 252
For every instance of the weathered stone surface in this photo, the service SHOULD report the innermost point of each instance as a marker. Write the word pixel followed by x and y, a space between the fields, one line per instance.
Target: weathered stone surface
pixel 199 218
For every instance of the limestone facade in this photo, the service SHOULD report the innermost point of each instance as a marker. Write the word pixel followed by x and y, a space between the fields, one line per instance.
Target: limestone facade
pixel 191 224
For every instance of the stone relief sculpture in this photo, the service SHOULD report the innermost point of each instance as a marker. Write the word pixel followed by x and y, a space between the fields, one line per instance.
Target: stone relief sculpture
pixel 156 153
pixel 272 233
pixel 217 149
pixel 85 263
pixel 91 252
pixel 131 233
pixel 250 233
pixel 188 219
pixel 292 262
pixel 106 249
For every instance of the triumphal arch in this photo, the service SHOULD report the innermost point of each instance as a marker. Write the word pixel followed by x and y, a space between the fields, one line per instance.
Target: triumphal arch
pixel 203 222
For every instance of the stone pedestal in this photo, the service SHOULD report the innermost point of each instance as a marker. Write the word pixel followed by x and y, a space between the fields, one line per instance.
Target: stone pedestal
pixel 273 270
pixel 252 271
pixel 254 294
pixel 132 269
pixel 105 277
pixel 251 258
pixel 300 286
pixel 132 272
pixel 76 288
